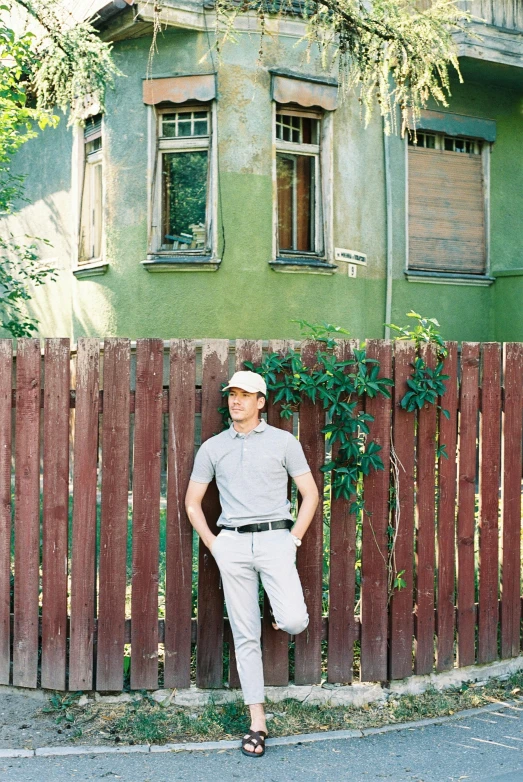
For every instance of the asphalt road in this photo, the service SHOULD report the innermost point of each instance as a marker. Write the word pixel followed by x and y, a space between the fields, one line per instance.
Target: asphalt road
pixel 487 747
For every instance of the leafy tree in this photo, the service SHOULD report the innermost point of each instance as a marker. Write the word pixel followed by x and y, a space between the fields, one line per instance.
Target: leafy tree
pixel 392 53
pixel 47 60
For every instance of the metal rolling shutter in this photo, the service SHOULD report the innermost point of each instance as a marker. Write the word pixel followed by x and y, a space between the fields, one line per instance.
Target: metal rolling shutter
pixel 446 211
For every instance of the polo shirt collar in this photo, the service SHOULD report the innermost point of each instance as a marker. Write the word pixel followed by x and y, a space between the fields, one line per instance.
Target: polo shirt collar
pixel 260 428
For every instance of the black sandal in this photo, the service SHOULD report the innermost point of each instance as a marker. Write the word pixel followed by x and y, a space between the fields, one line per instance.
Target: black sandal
pixel 256 738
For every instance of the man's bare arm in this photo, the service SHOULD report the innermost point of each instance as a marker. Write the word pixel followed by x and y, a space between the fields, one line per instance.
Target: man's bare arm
pixel 193 506
pixel 310 498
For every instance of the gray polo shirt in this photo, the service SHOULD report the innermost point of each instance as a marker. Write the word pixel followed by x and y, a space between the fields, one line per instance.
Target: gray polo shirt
pixel 251 472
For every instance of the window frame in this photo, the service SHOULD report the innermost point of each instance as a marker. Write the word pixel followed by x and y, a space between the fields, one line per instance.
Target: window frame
pixel 160 145
pixel 84 165
pixel 293 149
pixel 446 276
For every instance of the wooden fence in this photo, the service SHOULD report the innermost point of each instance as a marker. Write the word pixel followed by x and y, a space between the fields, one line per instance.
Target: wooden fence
pixel 76 418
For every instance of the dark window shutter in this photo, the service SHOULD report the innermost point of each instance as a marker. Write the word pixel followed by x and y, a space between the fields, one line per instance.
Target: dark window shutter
pixel 446 211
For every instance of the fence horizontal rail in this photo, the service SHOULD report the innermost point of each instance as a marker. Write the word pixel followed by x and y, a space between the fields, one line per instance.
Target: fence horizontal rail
pixel 197 400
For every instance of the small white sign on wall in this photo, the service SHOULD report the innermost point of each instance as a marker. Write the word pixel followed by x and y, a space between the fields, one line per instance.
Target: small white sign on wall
pixel 351 256
pixel 352 269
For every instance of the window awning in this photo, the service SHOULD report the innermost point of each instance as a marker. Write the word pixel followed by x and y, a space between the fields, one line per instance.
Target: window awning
pixel 306 91
pixel 180 89
pixel 457 125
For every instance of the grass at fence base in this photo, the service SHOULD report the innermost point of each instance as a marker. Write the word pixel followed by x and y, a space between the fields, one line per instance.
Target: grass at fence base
pixel 146 721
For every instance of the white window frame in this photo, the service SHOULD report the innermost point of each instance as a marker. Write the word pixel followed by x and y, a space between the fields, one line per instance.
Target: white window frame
pixel 159 145
pixel 485 149
pixel 323 207
pixel 84 165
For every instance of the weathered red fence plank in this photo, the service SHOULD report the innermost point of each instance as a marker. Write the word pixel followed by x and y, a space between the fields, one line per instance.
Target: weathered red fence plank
pixel 113 515
pixel 425 533
pixel 448 433
pixel 511 498
pixel 209 644
pixel 342 575
pixel 146 513
pixel 27 515
pixel 6 351
pixel 490 459
pixel 307 660
pixel 84 516
pixel 374 535
pixel 401 605
pixel 468 431
pixel 55 513
pixel 276 642
pixel 179 536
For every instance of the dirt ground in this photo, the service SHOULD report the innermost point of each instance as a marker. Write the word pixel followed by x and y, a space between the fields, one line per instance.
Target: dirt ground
pixel 29 720
pixel 23 726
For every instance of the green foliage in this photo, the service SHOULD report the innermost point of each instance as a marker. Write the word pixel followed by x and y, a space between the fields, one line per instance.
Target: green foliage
pixel 341 388
pixel 426 385
pixel 70 66
pixel 338 386
pixel 63 707
pixel 391 53
pixel 19 267
pixel 51 61
pixel 424 332
pixel 399 581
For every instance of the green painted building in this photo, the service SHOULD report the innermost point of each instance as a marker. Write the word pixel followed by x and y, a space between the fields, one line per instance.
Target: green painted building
pixel 221 197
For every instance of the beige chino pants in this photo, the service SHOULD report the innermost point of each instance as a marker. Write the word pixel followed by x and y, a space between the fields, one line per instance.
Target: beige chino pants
pixel 243 558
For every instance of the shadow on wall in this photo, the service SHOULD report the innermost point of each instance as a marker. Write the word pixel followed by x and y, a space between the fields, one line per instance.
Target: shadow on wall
pixel 96 298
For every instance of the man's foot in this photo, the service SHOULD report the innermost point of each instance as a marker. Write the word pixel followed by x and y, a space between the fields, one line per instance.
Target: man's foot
pixel 253 743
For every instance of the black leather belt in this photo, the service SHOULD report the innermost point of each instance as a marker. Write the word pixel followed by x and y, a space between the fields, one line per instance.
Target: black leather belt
pixel 264 526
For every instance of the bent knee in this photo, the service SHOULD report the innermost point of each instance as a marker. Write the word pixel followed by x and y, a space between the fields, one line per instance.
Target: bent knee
pixel 295 625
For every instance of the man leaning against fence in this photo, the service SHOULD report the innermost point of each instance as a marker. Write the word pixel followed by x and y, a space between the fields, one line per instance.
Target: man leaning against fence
pixel 251 462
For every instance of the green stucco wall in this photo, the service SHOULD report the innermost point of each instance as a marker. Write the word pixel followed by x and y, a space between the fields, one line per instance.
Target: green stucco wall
pixel 246 298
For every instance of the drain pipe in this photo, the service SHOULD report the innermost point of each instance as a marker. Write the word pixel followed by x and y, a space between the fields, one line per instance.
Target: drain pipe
pixel 388 219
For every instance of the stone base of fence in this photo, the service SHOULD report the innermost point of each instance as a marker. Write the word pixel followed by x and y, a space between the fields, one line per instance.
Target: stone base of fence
pixel 355 695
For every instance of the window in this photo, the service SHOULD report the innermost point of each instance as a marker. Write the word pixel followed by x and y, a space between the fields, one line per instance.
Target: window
pixel 91 220
pixel 447 214
pixel 182 213
pixel 299 211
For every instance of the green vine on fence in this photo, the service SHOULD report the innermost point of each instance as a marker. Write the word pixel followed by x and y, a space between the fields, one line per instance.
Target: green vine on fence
pixel 426 385
pixel 341 386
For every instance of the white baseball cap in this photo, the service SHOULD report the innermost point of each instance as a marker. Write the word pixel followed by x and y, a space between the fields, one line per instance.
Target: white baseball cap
pixel 248 381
